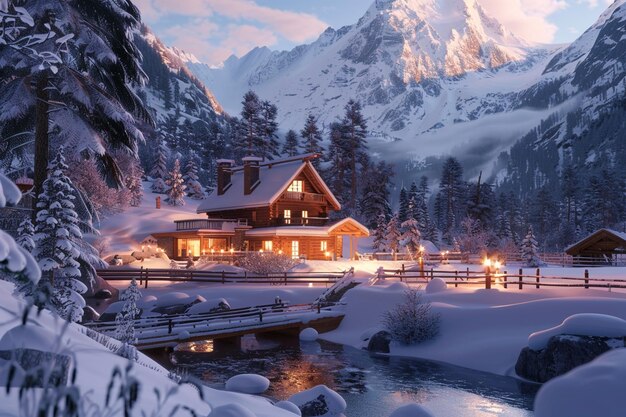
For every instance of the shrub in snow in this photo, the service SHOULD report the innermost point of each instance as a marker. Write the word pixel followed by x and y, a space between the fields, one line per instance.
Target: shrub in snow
pixel 248 384
pixel 266 262
pixel 309 335
pixel 594 389
pixel 436 285
pixel 59 245
pixel 584 324
pixel 289 406
pixel 319 401
pixel 176 184
pixel 529 250
pixel 411 410
pixel 194 188
pixel 125 319
pixel 412 321
pixel 159 186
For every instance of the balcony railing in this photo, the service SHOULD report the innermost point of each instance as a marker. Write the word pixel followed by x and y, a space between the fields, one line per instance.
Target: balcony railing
pixel 297 196
pixel 303 221
pixel 208 224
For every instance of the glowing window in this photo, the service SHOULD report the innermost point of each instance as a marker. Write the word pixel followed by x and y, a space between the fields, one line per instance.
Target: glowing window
pixel 287 216
pixel 267 245
pixel 295 249
pixel 297 186
pixel 323 246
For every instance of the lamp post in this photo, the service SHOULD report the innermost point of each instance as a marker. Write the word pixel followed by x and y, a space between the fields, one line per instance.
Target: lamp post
pixel 487 264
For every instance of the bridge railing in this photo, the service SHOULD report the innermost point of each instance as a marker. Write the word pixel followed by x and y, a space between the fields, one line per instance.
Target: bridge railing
pixel 144 276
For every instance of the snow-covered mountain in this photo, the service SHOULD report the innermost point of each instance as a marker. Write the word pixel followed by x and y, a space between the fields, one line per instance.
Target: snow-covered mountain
pixel 438 77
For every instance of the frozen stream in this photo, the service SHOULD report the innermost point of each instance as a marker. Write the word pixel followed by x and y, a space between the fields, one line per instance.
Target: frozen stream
pixel 373 386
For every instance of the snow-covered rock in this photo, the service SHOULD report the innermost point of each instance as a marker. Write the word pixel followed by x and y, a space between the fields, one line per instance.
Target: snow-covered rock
pixel 231 410
pixel 411 410
pixel 398 286
pixel 209 306
pixel 584 324
pixel 436 285
pixel 319 401
pixel 248 384
pixel 289 406
pixel 309 335
pixel 594 389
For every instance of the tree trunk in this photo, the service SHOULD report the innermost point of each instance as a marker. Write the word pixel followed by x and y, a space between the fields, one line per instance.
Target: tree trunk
pixel 41 138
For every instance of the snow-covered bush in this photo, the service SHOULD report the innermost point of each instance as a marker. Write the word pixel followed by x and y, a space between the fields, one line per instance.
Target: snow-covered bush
pixel 194 188
pixel 266 262
pixel 177 187
pixel 393 234
pixel 412 321
pixel 530 249
pixel 25 234
pixel 411 235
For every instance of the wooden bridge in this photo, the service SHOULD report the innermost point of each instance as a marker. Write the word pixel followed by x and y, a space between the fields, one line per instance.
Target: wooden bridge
pixel 169 331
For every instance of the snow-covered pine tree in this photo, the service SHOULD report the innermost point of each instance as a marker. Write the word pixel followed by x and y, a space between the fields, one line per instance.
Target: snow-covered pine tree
pixel 125 320
pixel 290 148
pixel 159 169
pixel 194 188
pixel 380 234
pixel 25 234
pixel 249 126
pixel 411 235
pixel 312 138
pixel 375 193
pixel 448 205
pixel 16 264
pixel 354 129
pixel 403 204
pixel 135 186
pixel 269 146
pixel 393 234
pixel 58 242
pixel 176 184
pixel 530 250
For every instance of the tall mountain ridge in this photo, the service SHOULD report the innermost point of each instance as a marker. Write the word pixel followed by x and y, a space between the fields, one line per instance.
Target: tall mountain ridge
pixel 440 77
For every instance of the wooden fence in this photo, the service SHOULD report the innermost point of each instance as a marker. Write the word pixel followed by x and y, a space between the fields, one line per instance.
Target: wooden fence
pixel 144 276
pixel 505 279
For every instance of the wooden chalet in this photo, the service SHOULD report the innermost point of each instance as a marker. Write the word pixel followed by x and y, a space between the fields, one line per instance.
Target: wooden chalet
pixel 273 206
pixel 604 246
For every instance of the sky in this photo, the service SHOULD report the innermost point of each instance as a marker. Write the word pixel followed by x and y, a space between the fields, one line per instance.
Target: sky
pixel 215 29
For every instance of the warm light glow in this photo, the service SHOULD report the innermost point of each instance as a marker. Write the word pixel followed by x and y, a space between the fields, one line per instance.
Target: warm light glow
pixel 232 250
pixel 221 250
pixel 487 263
pixel 497 264
pixel 280 251
pixel 327 254
pixel 261 250
pixel 212 250
pixel 422 249
pixel 310 284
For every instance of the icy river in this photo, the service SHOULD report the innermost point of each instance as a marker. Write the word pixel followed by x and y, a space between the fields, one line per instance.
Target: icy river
pixel 373 386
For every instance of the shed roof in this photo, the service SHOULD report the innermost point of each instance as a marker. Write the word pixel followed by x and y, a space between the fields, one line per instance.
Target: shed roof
pixel 275 177
pixel 617 239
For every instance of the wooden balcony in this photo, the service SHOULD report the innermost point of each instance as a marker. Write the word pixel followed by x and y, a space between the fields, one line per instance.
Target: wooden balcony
pixel 302 221
pixel 306 197
pixel 208 224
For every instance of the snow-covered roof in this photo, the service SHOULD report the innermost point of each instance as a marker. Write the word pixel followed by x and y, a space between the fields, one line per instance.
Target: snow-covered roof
pixel 275 177
pixel 307 230
pixel 619 235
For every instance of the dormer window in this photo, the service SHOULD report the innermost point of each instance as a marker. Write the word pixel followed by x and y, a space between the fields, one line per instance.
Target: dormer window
pixel 297 186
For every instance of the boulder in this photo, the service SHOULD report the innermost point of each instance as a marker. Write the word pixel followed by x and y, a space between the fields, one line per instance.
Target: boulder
pixel 562 354
pixel 379 342
pixel 309 335
pixel 89 314
pixel 248 384
pixel 169 304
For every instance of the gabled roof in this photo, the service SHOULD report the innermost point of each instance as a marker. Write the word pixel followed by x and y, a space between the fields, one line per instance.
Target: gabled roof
pixel 275 177
pixel 618 237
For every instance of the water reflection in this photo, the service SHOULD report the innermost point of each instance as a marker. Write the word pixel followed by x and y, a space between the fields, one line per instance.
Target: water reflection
pixel 372 385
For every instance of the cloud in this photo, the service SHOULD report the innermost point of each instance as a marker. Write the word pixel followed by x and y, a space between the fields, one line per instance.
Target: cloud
pixel 527 19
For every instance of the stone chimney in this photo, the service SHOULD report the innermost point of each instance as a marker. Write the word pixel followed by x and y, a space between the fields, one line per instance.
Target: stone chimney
pixel 223 174
pixel 251 168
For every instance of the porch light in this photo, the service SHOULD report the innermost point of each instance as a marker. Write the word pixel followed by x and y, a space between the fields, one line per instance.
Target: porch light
pixel 487 263
pixel 310 284
pixel 280 251
pixel 497 265
pixel 222 251
pixel 422 248
pixel 327 254
pixel 260 250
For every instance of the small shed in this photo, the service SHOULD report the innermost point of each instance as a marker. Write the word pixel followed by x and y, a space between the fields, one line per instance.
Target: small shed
pixel 604 246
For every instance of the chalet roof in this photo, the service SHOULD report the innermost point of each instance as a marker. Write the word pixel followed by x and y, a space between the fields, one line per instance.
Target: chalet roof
pixel 589 241
pixel 338 227
pixel 275 176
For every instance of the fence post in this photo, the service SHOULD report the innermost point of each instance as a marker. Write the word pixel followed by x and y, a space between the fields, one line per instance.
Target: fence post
pixel 506 285
pixel 520 279
pixel 538 274
pixel 586 279
pixel 319 308
pixel 285 279
pixel 146 283
pixel 170 326
pixel 488 278
pixel 432 274
pixel 245 275
pixel 467 273
pixel 223 277
pixel 141 276
pixel 402 272
pixel 456 277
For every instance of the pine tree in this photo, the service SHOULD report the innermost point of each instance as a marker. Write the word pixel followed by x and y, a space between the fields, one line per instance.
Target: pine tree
pixel 268 127
pixel 125 320
pixel 135 186
pixel 59 244
pixel 411 235
pixel 176 184
pixel 25 234
pixel 249 126
pixel 194 187
pixel 529 250
pixel 354 129
pixel 375 194
pixel 312 138
pixel 393 234
pixel 403 205
pixel 380 233
pixel 290 148
pixel 422 215
pixel 448 205
pixel 159 169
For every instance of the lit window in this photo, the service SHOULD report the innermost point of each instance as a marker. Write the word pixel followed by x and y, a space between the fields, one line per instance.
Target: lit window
pixel 297 186
pixel 323 246
pixel 267 245
pixel 287 216
pixel 295 249
pixel 305 216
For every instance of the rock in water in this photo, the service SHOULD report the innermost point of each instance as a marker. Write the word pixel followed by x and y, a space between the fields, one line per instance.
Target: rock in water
pixel 248 384
pixel 319 401
pixel 411 410
pixel 562 354
pixel 379 342
pixel 309 335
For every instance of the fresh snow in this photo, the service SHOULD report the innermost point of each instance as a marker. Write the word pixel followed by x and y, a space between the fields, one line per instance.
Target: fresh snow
pixel 411 410
pixel 309 335
pixel 248 384
pixel 583 324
